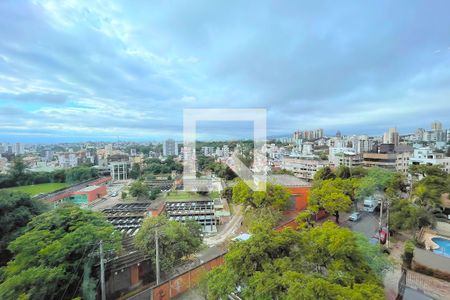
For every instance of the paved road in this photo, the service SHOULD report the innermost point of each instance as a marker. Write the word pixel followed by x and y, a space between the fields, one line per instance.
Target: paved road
pixel 110 200
pixel 368 224
pixel 229 230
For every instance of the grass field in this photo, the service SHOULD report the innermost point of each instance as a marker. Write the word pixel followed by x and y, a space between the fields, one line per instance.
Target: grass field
pixel 35 189
pixel 180 195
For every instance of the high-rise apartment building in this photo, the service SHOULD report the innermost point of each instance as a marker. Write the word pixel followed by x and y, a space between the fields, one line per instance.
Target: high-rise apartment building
pixel 18 149
pixel 308 134
pixel 170 148
pixel 436 125
pixel 391 137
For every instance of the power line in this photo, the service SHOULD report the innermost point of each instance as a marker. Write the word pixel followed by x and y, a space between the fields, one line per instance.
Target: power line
pixel 76 271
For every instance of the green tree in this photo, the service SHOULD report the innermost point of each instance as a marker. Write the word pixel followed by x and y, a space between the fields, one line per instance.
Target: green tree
pixel 16 210
pixel 176 240
pixel 261 218
pixel 377 179
pixel 331 196
pixel 426 170
pixel 17 171
pixel 275 196
pixel 154 192
pixel 324 262
pixel 324 173
pixel 405 215
pixel 78 174
pixel 50 255
pixel 139 190
pixel 227 193
pixel 408 252
pixel 135 171
pixel 343 172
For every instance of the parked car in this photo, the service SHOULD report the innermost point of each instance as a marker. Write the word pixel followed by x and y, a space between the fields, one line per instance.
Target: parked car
pixel 382 235
pixel 355 216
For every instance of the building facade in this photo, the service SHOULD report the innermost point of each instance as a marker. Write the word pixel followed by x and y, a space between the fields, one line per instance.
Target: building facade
pixel 170 148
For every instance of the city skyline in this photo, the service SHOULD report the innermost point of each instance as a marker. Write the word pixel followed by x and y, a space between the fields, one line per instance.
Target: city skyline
pixel 98 70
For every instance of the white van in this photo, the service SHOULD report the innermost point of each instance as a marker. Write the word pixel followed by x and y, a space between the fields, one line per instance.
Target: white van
pixel 370 204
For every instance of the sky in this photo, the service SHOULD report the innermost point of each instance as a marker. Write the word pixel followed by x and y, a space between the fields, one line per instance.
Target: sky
pixel 107 70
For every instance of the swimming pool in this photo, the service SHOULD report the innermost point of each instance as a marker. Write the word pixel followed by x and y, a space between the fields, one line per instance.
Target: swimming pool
pixel 444 246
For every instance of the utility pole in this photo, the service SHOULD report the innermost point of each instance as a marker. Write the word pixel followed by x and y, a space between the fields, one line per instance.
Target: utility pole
pixel 157 255
pixel 102 272
pixel 387 224
pixel 380 226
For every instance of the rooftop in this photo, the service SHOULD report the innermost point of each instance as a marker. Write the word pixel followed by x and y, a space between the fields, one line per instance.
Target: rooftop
pixel 89 188
pixel 287 180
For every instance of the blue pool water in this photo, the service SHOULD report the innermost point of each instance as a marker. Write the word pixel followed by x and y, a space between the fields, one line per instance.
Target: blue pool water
pixel 444 246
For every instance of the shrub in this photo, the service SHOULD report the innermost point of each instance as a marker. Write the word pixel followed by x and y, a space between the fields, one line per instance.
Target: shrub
pixel 408 253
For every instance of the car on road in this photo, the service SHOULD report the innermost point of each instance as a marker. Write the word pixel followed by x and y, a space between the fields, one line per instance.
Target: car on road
pixel 114 194
pixel 355 216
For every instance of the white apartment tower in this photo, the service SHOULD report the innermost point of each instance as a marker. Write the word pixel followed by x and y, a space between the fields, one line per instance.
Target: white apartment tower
pixel 170 148
pixel 391 137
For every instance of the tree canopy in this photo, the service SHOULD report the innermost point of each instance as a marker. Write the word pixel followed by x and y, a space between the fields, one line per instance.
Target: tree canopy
pixel 324 262
pixel 139 189
pixel 157 166
pixel 18 175
pixel 16 210
pixel 49 257
pixel 377 179
pixel 324 173
pixel 332 195
pixel 176 240
pixel 275 196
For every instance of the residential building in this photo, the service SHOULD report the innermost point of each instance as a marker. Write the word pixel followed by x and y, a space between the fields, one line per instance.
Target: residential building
pixel 389 157
pixel 391 137
pixel 348 159
pixel 170 148
pixel 225 151
pixel 303 168
pixel 436 125
pixel 208 151
pixel 67 160
pixel 427 156
pixel 3 165
pixel 109 149
pixel 48 155
pixel 308 134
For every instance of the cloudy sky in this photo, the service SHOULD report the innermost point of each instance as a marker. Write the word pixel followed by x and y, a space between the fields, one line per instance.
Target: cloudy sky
pixel 98 70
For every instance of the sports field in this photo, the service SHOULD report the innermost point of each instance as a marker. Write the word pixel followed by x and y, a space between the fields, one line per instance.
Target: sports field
pixel 35 189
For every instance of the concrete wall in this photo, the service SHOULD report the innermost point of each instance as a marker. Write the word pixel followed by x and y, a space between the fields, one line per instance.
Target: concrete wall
pixel 443 228
pixel 183 282
pixel 300 196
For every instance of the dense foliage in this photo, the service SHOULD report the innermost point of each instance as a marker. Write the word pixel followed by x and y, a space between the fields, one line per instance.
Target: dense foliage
pixel 207 163
pixel 176 240
pixel 52 253
pixel 157 166
pixel 16 210
pixel 325 262
pixel 139 190
pixel 332 195
pixel 18 175
pixel 275 196
pixel 424 206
